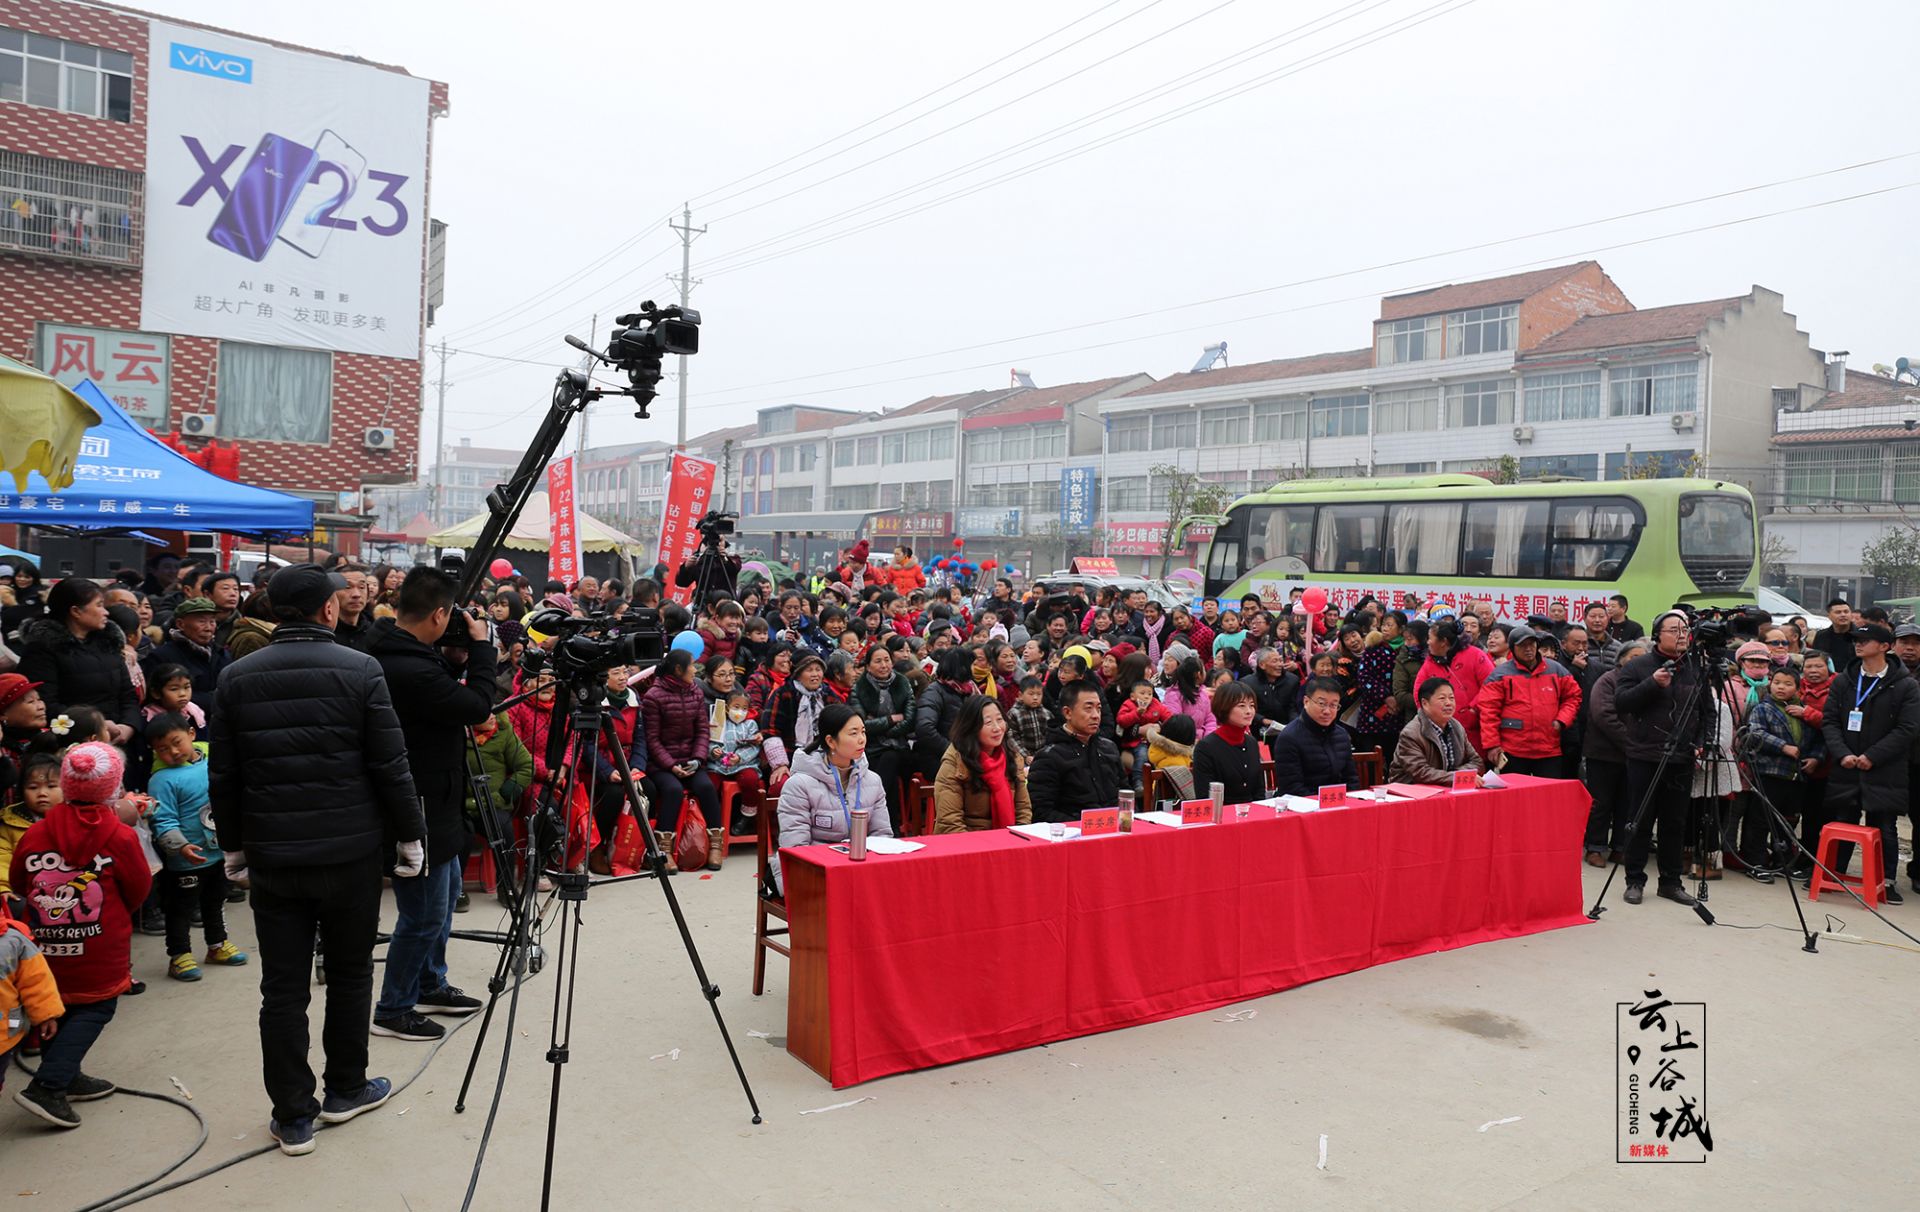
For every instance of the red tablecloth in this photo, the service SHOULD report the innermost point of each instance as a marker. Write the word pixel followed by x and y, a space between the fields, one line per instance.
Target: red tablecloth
pixel 985 942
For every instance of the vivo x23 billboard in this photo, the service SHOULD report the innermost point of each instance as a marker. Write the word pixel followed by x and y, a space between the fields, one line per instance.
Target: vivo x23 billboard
pixel 286 196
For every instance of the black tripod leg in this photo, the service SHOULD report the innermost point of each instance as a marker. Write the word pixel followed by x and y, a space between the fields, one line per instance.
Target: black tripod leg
pixel 708 989
pixel 499 843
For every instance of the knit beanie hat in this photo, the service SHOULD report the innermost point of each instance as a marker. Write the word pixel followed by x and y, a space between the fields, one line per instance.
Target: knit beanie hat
pixel 90 773
pixel 1179 652
pixel 1752 648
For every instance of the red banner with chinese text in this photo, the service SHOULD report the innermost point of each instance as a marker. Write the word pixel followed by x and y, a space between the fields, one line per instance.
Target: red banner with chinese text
pixel 689 493
pixel 563 557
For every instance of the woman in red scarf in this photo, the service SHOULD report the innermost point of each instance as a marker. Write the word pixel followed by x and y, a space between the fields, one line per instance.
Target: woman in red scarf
pixel 763 688
pixel 1230 755
pixel 982 782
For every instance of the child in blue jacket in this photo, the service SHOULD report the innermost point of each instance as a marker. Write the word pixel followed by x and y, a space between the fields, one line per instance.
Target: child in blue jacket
pixel 183 830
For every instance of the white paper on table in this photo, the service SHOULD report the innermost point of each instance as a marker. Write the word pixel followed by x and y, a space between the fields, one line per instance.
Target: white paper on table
pixel 1492 781
pixel 1170 819
pixel 1377 796
pixel 1044 833
pixel 1297 803
pixel 893 845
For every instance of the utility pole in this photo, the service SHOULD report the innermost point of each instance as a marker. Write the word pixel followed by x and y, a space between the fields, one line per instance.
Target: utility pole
pixel 587 363
pixel 439 441
pixel 686 283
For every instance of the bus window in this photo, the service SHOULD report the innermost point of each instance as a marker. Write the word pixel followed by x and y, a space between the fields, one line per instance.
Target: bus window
pixel 1716 540
pixel 1592 540
pixel 1223 562
pixel 1423 539
pixel 1275 531
pixel 1505 539
pixel 1348 539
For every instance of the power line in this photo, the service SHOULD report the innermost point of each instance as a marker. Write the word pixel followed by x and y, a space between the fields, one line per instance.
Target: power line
pixel 1345 273
pixel 1327 55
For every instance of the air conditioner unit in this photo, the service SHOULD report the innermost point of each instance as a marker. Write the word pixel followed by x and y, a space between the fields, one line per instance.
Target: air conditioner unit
pixel 1685 420
pixel 198 424
pixel 379 437
pixel 1523 433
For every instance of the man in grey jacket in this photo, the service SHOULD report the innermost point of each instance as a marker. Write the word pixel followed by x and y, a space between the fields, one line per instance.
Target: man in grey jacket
pixel 1606 764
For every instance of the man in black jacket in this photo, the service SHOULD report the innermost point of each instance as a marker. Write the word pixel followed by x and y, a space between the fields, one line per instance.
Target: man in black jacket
pixel 356 624
pixel 1314 751
pixel 1837 640
pixel 190 645
pixel 1079 768
pixel 1651 694
pixel 1870 722
pixel 1275 690
pixel 435 711
pixel 307 773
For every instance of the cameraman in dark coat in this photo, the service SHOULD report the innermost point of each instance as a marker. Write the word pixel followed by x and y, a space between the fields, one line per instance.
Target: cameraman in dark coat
pixel 307 775
pixel 1651 696
pixel 435 711
pixel 1871 720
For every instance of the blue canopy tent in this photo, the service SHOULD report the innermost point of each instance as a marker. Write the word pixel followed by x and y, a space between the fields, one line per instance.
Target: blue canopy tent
pixel 126 479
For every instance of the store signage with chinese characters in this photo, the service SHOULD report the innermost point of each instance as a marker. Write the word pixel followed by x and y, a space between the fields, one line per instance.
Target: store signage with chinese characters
pixel 1077 491
pixel 980 522
pixel 130 367
pixel 923 524
pixel 1509 602
pixel 1147 538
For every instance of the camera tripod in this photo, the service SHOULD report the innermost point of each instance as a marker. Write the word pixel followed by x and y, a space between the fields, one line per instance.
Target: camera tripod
pixel 578 722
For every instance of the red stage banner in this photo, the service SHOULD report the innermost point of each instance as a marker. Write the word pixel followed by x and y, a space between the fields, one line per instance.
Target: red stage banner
pixel 563 557
pixel 689 492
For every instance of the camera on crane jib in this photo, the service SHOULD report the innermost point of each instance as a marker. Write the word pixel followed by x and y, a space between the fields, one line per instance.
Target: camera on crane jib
pixel 642 339
pixel 586 646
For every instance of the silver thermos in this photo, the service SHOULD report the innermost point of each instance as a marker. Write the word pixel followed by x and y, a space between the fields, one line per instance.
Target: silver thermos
pixel 1218 793
pixel 857 835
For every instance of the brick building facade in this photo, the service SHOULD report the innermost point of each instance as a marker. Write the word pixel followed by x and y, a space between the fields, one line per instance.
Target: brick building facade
pixel 51 285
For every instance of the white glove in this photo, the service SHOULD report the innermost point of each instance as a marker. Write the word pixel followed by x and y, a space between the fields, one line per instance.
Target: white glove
pixel 410 861
pixel 234 863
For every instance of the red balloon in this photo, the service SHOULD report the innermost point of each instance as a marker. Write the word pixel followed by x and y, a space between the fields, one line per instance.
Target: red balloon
pixel 989 564
pixel 1314 599
pixel 501 568
pixel 959 542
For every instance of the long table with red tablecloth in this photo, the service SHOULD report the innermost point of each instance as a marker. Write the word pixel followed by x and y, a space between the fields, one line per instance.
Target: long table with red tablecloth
pixel 985 942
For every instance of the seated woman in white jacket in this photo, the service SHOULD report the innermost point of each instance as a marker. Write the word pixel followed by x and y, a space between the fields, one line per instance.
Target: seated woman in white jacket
pixel 830 780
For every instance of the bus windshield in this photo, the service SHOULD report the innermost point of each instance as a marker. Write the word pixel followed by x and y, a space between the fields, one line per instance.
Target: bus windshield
pixel 1716 539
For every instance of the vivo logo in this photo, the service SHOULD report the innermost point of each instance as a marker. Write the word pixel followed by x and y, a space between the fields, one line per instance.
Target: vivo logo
pixel 218 64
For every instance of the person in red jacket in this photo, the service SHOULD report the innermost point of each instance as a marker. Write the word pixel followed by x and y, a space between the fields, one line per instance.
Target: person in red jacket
pixel 1449 656
pixel 84 877
pixel 1524 707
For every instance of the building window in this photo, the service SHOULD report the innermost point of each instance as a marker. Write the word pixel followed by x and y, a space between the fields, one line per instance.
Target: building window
pixel 1016 444
pixel 984 446
pixel 1225 426
pixel 1280 420
pixel 787 456
pixel 1667 464
pixel 1826 475
pixel 843 453
pixel 56 74
pixel 1407 340
pixel 890 496
pixel 793 500
pixel 1574 396
pixel 275 395
pixel 1406 410
pixel 1482 330
pixel 1050 441
pixel 940 443
pixel 1906 476
pixel 867 452
pixel 809 456
pixel 1638 391
pixel 1127 494
pixel 1045 497
pixel 1487 402
pixel 1574 467
pixel 70 210
pixel 917 446
pixel 1339 416
pixel 1130 432
pixel 1175 430
pixel 766 463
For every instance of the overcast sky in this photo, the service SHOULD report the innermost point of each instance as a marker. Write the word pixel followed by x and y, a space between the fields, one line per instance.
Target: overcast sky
pixel 577 128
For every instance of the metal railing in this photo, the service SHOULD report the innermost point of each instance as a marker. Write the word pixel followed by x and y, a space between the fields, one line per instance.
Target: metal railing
pixel 76 212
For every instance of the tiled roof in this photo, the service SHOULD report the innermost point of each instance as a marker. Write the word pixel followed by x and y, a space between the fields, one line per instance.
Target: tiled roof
pixel 1644 327
pixel 719 437
pixel 1484 293
pixel 1863 391
pixel 960 403
pixel 1063 395
pixel 1871 433
pixel 1261 372
pixel 1868 391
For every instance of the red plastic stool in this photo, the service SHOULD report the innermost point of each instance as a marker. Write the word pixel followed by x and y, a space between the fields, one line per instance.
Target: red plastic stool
pixel 479 866
pixel 1870 884
pixel 729 791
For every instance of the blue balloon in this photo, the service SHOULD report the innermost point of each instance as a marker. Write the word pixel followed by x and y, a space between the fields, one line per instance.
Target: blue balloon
pixel 690 643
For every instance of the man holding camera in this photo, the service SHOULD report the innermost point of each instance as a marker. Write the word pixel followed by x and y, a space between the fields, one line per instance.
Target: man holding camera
pixel 1656 698
pixel 435 710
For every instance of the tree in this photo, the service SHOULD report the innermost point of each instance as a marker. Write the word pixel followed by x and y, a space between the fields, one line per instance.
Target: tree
pixel 1506 470
pixel 1186 495
pixel 1775 552
pixel 1894 557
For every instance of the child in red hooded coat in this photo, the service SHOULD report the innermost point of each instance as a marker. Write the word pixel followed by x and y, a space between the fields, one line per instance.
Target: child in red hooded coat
pixel 84 878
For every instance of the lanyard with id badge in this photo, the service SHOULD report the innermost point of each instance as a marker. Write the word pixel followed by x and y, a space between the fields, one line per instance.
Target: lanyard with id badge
pixel 1856 719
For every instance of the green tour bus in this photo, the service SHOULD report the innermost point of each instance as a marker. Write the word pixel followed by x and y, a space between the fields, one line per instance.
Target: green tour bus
pixel 1524 547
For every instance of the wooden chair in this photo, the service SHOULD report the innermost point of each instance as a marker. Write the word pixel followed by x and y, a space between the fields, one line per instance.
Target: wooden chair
pixel 1266 772
pixel 917 807
pixel 1150 789
pixel 771 904
pixel 1371 767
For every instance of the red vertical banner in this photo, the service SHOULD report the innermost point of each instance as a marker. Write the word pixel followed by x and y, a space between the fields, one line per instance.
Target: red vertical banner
pixel 563 557
pixel 689 493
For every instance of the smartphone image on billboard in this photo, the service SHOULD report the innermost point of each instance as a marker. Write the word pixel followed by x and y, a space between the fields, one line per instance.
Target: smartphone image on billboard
pixel 337 172
pixel 263 198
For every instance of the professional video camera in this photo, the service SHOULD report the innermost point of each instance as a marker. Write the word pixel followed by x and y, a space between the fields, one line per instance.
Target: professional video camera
pixel 714 525
pixel 642 339
pixel 595 644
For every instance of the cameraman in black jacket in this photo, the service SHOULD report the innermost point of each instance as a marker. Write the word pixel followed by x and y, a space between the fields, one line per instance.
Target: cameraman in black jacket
pixel 1651 696
pixel 307 774
pixel 435 711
